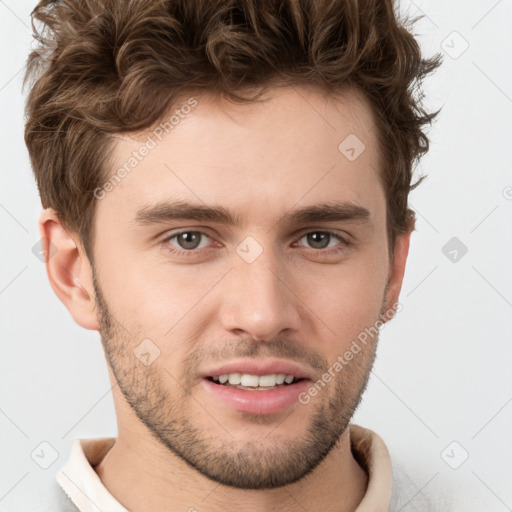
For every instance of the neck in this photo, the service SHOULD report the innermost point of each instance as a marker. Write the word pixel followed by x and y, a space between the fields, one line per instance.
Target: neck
pixel 144 476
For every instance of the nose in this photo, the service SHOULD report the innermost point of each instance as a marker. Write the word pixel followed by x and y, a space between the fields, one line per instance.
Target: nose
pixel 259 299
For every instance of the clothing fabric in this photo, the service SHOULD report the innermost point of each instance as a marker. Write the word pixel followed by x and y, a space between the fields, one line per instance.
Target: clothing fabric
pixel 78 487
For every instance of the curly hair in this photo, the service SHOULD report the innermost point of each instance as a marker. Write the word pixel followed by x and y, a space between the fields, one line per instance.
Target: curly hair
pixel 106 67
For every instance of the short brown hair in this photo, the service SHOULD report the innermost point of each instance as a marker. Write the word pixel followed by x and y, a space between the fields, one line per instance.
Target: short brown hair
pixel 108 66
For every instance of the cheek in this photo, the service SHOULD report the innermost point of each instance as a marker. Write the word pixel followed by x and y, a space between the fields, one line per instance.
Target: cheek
pixel 346 301
pixel 156 299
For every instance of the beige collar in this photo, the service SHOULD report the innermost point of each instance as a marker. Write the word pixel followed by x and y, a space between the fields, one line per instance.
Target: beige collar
pixel 87 492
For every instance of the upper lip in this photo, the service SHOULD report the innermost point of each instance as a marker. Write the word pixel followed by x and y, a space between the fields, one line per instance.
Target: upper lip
pixel 260 367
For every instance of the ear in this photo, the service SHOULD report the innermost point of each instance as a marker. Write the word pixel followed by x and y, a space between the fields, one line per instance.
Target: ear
pixel 68 269
pixel 396 276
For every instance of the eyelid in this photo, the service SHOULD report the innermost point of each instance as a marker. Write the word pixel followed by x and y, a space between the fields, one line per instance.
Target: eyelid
pixel 341 239
pixel 168 237
pixel 297 237
pixel 313 229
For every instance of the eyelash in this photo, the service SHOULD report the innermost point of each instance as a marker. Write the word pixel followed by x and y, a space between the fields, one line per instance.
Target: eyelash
pixel 339 249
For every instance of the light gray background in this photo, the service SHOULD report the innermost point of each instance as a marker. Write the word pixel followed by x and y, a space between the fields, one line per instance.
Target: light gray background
pixel 443 372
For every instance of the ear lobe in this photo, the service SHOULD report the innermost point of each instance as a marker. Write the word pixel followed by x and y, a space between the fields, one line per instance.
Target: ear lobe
pixel 68 270
pixel 396 275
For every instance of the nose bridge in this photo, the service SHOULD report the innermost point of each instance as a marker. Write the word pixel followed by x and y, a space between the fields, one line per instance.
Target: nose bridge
pixel 259 300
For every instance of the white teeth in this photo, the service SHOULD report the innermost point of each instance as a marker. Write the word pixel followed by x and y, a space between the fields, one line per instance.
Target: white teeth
pixel 250 380
pixel 254 381
pixel 267 380
pixel 235 378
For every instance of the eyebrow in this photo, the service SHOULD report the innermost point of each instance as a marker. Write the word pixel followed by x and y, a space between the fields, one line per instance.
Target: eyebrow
pixel 181 210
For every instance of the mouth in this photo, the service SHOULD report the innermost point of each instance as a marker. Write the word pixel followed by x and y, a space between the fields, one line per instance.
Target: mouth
pixel 252 382
pixel 256 386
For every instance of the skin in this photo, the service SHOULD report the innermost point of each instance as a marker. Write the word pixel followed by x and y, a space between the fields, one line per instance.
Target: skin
pixel 178 447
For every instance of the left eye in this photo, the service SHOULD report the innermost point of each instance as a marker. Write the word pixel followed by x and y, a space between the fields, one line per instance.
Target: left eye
pixel 188 240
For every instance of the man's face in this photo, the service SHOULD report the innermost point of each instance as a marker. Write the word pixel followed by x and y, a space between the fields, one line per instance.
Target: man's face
pixel 270 295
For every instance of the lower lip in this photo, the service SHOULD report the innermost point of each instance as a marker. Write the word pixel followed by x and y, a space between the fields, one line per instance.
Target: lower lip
pixel 258 402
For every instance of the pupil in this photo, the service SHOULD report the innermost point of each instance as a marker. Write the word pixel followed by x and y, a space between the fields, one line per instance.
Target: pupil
pixel 318 235
pixel 187 240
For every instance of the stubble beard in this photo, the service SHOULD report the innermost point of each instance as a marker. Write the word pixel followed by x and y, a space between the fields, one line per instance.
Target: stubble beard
pixel 252 465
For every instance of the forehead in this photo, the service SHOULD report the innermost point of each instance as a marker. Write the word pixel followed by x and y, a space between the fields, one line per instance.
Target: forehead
pixel 300 145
